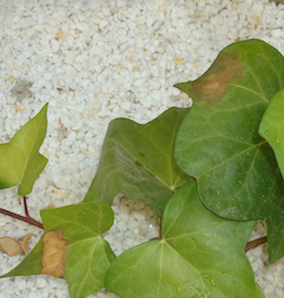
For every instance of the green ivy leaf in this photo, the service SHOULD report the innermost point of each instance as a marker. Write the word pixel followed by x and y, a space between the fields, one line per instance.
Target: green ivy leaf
pixel 272 127
pixel 87 256
pixel 137 160
pixel 199 255
pixel 21 163
pixel 218 141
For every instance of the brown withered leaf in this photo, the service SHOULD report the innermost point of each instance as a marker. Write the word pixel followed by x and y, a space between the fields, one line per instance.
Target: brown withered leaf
pixel 10 246
pixel 24 244
pixel 53 252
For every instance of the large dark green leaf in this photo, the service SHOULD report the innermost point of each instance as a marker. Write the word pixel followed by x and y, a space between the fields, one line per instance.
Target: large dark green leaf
pixel 272 127
pixel 20 161
pixel 87 256
pixel 137 160
pixel 218 141
pixel 199 255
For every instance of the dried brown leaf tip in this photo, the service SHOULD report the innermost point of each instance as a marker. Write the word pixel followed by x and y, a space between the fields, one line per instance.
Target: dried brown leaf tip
pixel 12 247
pixel 212 86
pixel 24 244
pixel 53 252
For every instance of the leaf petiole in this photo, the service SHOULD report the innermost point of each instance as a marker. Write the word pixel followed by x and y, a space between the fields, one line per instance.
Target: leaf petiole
pixel 255 243
pixel 160 231
pixel 28 219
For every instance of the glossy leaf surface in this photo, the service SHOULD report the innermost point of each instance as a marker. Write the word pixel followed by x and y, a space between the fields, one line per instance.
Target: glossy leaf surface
pixel 199 255
pixel 21 163
pixel 87 256
pixel 272 127
pixel 137 160
pixel 218 141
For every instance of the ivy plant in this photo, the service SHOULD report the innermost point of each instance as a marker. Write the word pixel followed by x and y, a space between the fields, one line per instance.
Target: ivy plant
pixel 209 172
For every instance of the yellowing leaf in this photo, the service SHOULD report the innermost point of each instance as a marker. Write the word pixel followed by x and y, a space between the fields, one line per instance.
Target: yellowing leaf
pixel 53 252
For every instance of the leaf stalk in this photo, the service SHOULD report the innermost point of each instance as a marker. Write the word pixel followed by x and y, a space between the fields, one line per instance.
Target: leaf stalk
pixel 28 219
pixel 255 243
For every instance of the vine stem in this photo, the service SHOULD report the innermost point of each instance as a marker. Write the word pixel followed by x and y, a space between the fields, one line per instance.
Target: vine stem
pixel 249 245
pixel 255 243
pixel 27 218
pixel 160 231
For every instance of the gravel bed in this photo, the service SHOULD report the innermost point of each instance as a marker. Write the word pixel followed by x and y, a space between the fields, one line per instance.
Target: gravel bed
pixel 94 61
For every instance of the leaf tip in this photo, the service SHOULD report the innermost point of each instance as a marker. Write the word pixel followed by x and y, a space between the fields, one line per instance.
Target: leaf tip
pixel 212 85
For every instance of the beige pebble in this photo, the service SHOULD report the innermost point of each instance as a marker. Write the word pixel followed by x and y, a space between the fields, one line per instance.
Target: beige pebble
pixel 59 153
pixel 196 64
pixel 178 61
pixel 11 79
pixel 199 13
pixel 136 68
pixel 18 108
pixel 119 69
pixel 94 111
pixel 84 153
pixel 183 95
pixel 61 194
pixel 142 20
pixel 46 153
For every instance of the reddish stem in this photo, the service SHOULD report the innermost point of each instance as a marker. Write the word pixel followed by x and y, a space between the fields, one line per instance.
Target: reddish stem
pixel 26 206
pixel 160 231
pixel 255 243
pixel 28 219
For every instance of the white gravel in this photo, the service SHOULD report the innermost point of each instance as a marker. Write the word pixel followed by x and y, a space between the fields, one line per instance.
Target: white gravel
pixel 94 61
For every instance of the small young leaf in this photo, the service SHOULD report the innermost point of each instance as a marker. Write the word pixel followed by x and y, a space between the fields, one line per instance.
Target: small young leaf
pixel 218 141
pixel 21 163
pixel 72 247
pixel 137 160
pixel 199 255
pixel 272 127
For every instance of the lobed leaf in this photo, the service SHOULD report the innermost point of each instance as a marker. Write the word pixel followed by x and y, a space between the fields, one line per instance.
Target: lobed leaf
pixel 199 255
pixel 72 247
pixel 21 163
pixel 218 141
pixel 137 160
pixel 272 127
